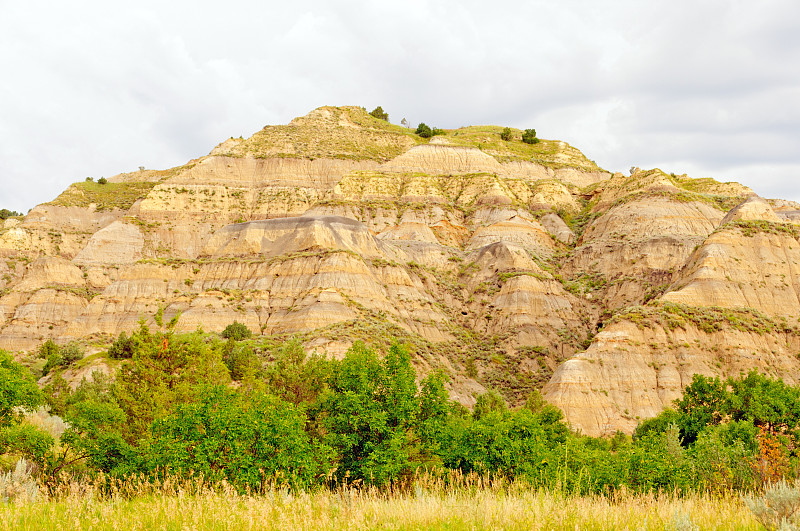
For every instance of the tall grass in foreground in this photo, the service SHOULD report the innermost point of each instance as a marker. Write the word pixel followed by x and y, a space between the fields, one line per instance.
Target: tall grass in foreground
pixel 468 503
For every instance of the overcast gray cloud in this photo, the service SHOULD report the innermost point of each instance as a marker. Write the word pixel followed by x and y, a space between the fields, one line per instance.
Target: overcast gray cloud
pixel 94 88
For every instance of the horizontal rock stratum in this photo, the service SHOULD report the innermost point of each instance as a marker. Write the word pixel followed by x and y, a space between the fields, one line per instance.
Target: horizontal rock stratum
pixel 507 265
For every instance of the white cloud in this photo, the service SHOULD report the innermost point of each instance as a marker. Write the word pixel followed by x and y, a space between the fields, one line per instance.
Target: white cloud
pixel 94 88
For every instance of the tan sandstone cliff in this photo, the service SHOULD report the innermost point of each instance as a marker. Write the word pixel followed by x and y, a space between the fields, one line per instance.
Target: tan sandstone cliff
pixel 505 264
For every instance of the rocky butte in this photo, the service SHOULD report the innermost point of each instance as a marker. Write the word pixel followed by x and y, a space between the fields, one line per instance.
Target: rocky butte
pixel 508 265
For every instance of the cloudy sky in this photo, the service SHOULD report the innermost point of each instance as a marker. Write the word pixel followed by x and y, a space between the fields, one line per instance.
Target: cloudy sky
pixel 95 88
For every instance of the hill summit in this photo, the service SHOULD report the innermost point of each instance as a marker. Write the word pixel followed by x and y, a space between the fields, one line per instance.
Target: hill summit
pixel 505 264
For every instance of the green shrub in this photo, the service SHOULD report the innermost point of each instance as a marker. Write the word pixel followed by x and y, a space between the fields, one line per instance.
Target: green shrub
pixel 102 180
pixel 379 113
pixel 48 349
pixel 424 131
pixel 17 389
pixel 529 136
pixel 506 134
pixel 250 440
pixel 236 331
pixel 71 353
pixel 122 348
pixel 368 414
pixel 59 357
pixel 27 441
pixel 239 359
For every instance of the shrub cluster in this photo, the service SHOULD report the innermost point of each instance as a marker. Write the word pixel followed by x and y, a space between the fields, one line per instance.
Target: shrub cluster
pixel 529 136
pixel 379 113
pixel 427 132
pixel 59 357
pixel 303 420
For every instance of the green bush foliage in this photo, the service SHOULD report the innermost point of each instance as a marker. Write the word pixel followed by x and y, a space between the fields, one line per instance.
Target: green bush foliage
pixel 17 390
pixel 424 131
pixel 368 412
pixel 529 136
pixel 303 421
pixel 249 439
pixel 379 113
pixel 6 213
pixel 59 357
pixel 122 348
pixel 236 331
pixel 506 134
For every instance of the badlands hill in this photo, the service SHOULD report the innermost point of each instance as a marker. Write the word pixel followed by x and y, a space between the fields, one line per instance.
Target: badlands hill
pixel 507 265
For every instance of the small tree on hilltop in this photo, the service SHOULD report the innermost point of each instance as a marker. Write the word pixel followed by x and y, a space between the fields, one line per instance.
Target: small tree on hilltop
pixel 529 136
pixel 507 134
pixel 424 131
pixel 379 113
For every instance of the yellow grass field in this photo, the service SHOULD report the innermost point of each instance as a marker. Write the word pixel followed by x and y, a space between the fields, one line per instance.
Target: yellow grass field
pixel 477 507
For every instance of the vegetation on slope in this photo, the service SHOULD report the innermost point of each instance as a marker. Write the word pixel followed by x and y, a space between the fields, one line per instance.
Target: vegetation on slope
pixel 302 421
pixel 107 196
pixel 352 133
pixel 328 132
pixel 550 153
pixel 709 319
pixel 753 227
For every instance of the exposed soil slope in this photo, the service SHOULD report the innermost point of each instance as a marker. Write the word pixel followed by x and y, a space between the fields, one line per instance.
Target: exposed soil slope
pixel 506 264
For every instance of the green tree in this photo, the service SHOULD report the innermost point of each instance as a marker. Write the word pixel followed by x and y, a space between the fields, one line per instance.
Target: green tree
pixel 6 213
pixel 29 442
pixel 97 425
pixel 164 371
pixel 248 439
pixel 240 360
pixel 236 331
pixel 295 376
pixel 378 113
pixel 765 402
pixel 488 402
pixel 507 134
pixel 424 131
pixel 702 404
pixel 17 389
pixel 511 443
pixel 658 462
pixel 368 414
pixel 529 136
pixel 121 348
pixel 433 411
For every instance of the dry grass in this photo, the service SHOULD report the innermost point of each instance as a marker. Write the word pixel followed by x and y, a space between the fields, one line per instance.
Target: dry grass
pixel 468 505
pixel 551 153
pixel 107 196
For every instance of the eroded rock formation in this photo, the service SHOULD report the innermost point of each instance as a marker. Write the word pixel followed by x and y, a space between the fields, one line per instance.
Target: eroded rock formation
pixel 505 264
